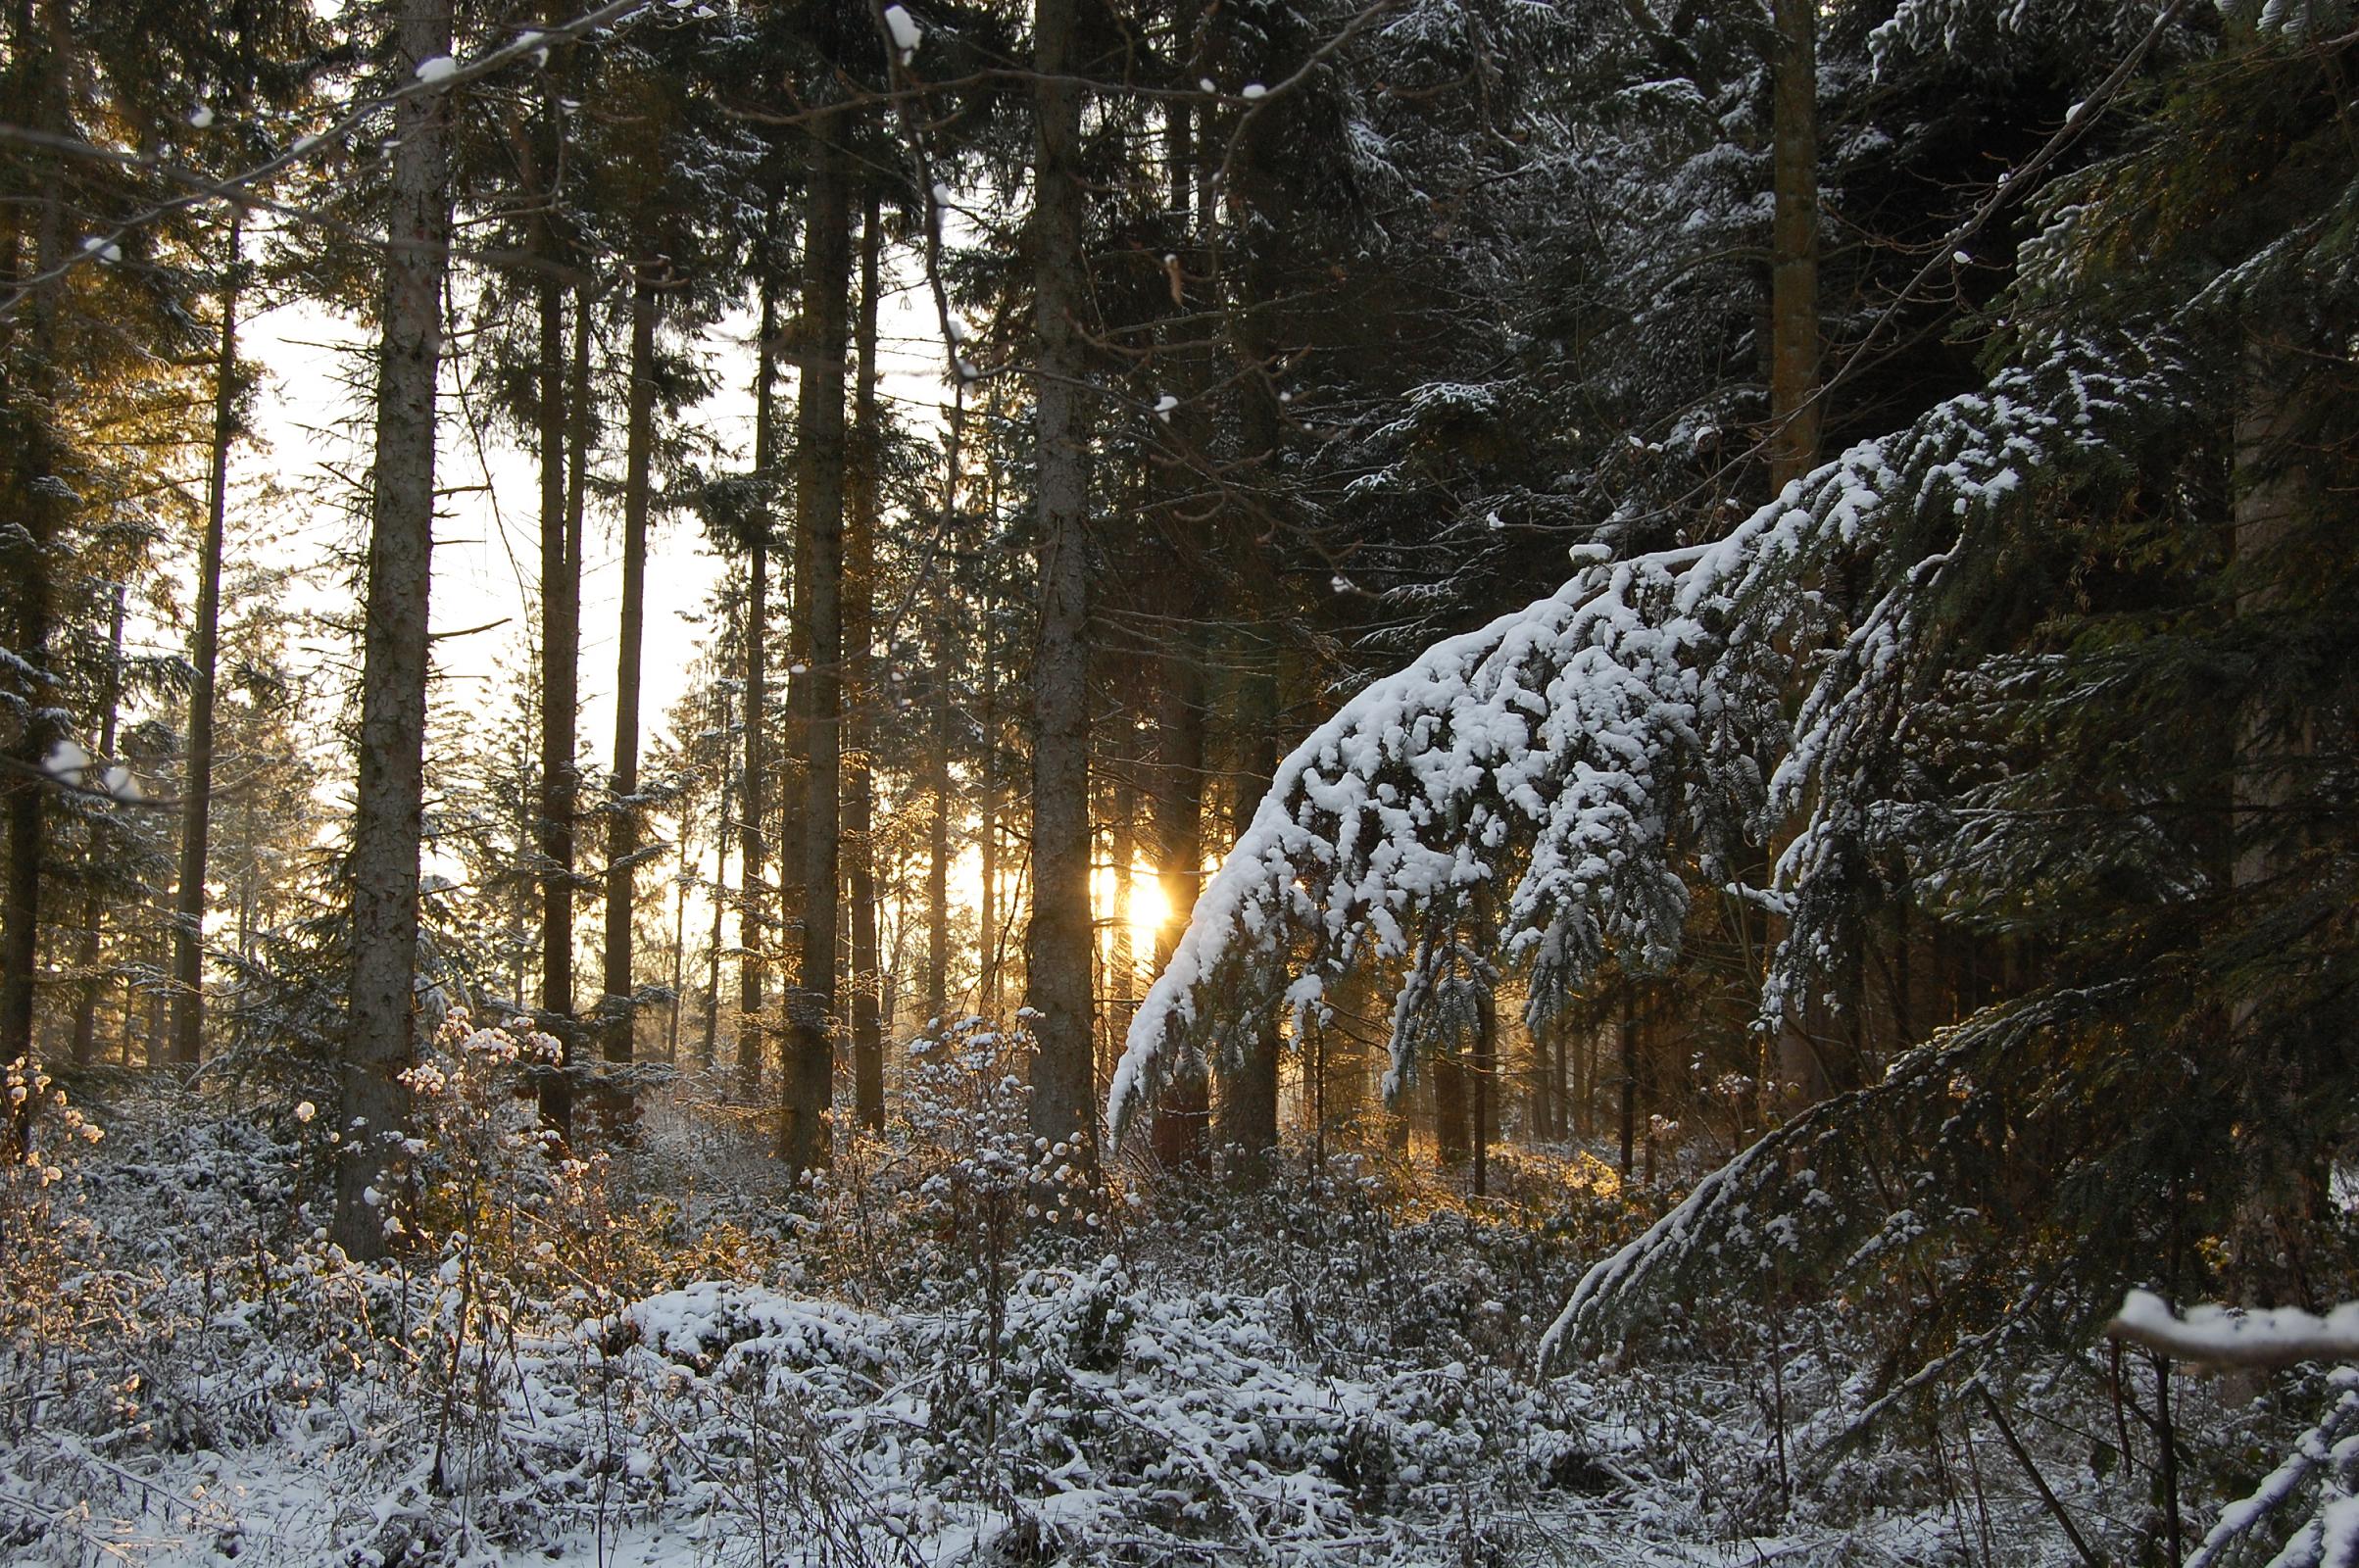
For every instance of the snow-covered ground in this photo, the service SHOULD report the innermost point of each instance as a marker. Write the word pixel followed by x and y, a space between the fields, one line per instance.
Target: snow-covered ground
pixel 597 1365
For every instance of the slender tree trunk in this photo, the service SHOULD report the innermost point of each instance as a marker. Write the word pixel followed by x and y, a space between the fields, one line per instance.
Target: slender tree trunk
pixel 992 957
pixel 1484 1070
pixel 1630 1077
pixel 938 749
pixel 859 617
pixel 1182 1113
pixel 85 1010
pixel 938 822
pixel 805 1136
pixel 196 802
pixel 618 1013
pixel 1451 1141
pixel 679 950
pixel 707 1049
pixel 990 999
pixel 560 652
pixel 381 1042
pixel 1795 412
pixel 1057 942
pixel 1122 961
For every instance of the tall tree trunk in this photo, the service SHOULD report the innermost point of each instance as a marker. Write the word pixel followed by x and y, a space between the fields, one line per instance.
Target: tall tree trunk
pixel 86 1009
pixel 40 498
pixel 618 1014
pixel 805 1134
pixel 1057 940
pixel 1795 412
pixel 196 802
pixel 560 651
pixel 860 631
pixel 752 906
pixel 1249 1093
pixel 395 643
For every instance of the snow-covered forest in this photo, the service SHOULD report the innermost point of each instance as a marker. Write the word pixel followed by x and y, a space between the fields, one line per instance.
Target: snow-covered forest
pixel 962 782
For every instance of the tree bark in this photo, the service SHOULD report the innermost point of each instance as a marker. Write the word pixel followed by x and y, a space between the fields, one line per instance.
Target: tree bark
pixel 1795 409
pixel 618 1013
pixel 805 1134
pixel 381 1042
pixel 859 617
pixel 1058 945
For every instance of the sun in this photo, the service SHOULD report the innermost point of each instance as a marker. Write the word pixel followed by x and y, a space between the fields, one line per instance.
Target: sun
pixel 1147 911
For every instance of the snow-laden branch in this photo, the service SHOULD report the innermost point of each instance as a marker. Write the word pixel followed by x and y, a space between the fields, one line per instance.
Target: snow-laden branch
pixel 1550 718
pixel 2224 1335
pixel 1596 743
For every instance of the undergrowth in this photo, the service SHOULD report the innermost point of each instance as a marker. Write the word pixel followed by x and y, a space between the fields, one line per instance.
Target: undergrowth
pixel 950 1349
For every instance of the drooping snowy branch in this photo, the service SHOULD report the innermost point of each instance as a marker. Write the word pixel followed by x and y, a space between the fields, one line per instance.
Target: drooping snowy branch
pixel 1580 754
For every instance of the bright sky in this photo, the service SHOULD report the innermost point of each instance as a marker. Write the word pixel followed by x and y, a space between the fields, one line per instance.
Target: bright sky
pixel 487 556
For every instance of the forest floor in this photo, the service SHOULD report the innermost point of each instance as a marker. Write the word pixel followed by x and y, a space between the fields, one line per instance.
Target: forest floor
pixel 670 1358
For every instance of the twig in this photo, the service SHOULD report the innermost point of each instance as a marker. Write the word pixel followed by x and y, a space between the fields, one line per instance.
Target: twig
pixel 2015 1446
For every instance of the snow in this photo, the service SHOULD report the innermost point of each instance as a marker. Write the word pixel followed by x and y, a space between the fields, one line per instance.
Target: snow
pixel 439 68
pixel 907 33
pixel 66 762
pixel 2239 1337
pixel 1251 90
